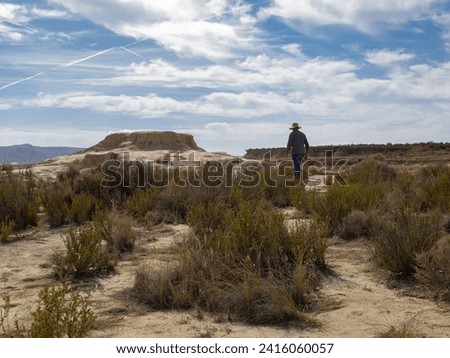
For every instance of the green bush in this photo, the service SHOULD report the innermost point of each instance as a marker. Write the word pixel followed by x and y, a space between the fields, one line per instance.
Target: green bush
pixel 371 172
pixel 61 313
pixel 6 229
pixel 403 236
pixel 18 199
pixel 86 253
pixel 55 198
pixel 301 199
pixel 10 329
pixel 331 207
pixel 83 208
pixel 433 268
pixel 143 201
pixel 434 192
pixel 359 224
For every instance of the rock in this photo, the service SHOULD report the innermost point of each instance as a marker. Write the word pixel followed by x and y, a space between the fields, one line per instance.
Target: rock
pixel 147 141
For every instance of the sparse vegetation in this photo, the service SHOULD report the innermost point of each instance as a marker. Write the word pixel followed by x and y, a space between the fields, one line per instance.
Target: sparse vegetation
pixel 61 313
pixel 434 190
pixel 6 229
pixel 405 330
pixel 404 235
pixel 433 268
pixel 242 260
pixel 359 223
pixel 117 229
pixel 86 253
pixel 18 199
pixel 333 206
pixel 55 198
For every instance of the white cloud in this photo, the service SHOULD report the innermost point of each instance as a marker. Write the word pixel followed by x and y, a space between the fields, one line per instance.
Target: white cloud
pixel 363 15
pixel 261 86
pixel 24 13
pixel 13 12
pixel 255 73
pixel 5 106
pixel 16 19
pixel 443 20
pixel 387 57
pixel 219 104
pixel 9 33
pixel 293 49
pixel 240 136
pixel 215 29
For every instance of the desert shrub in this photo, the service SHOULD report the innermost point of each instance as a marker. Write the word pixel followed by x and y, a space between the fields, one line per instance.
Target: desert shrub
pixel 276 185
pixel 117 229
pixel 61 313
pixel 359 224
pixel 82 208
pixel 278 195
pixel 434 191
pixel 91 183
pixel 10 329
pixel 143 200
pixel 208 217
pixel 301 199
pixel 174 199
pixel 404 330
pixel 265 300
pixel 331 207
pixel 404 235
pixel 6 229
pixel 86 254
pixel 243 261
pixel 18 199
pixel 369 172
pixel 55 198
pixel 433 268
pixel 153 287
pixel 62 205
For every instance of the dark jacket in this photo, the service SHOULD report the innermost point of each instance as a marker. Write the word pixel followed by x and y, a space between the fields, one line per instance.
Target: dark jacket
pixel 298 142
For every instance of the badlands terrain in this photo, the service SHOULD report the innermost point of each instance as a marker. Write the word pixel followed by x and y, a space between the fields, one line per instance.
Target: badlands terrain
pixel 355 299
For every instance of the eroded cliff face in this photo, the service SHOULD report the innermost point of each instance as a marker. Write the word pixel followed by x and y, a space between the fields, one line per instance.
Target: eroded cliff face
pixel 146 141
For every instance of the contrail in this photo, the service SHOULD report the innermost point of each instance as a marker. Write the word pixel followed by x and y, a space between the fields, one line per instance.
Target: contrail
pixel 86 58
pixel 23 80
pixel 69 64
pixel 132 52
pixel 72 63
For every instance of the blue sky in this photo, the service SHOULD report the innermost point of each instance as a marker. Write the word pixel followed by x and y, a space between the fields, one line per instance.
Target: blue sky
pixel 234 73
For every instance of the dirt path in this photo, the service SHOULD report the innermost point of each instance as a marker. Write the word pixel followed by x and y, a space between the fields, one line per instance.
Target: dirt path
pixel 365 306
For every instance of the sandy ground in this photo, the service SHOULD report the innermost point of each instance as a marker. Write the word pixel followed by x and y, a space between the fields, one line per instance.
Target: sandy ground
pixel 354 301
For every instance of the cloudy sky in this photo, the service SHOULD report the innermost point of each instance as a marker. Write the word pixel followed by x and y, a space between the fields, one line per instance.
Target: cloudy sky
pixel 234 73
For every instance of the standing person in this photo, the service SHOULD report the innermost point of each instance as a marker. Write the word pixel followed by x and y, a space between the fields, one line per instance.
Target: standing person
pixel 299 147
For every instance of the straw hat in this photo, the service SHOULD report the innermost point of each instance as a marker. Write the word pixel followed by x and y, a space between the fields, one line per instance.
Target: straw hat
pixel 295 126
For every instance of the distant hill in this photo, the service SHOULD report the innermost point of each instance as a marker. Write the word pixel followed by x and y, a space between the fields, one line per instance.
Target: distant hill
pixel 420 153
pixel 30 154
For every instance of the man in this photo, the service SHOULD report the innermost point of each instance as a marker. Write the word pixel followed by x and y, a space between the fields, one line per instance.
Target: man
pixel 299 147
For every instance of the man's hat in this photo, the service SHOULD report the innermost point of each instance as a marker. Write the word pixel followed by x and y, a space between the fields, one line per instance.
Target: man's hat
pixel 295 126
